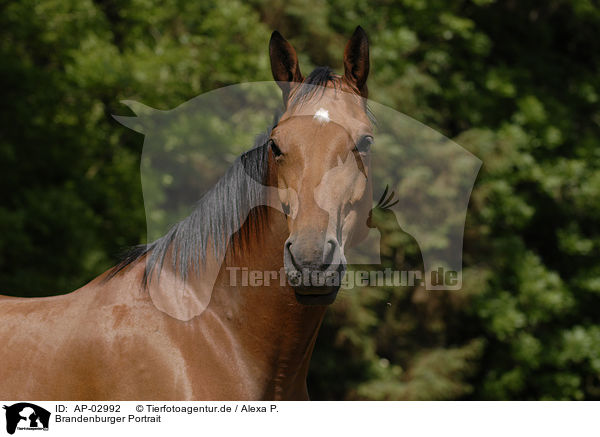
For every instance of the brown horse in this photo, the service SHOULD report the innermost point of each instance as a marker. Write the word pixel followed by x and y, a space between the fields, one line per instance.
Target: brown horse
pixel 151 328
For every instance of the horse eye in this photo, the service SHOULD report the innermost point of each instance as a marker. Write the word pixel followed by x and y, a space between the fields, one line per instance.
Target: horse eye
pixel 364 144
pixel 276 150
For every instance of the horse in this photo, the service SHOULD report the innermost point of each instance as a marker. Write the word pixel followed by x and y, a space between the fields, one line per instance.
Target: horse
pixel 152 327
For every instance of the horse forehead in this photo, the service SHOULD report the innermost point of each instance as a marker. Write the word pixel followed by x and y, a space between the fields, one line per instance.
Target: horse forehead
pixel 316 129
pixel 334 104
pixel 327 113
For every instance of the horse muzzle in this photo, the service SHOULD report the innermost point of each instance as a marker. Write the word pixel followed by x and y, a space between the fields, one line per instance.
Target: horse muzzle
pixel 314 271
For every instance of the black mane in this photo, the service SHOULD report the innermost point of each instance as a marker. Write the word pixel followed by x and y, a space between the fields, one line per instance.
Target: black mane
pixel 218 214
pixel 314 84
pixel 314 87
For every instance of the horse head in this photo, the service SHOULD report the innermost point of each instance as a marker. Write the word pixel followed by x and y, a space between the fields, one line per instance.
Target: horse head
pixel 320 149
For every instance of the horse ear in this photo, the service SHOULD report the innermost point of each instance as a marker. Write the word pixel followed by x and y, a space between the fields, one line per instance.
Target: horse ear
pixel 356 60
pixel 284 63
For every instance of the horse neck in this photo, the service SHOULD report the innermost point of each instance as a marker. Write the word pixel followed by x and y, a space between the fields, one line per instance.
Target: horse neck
pixel 267 323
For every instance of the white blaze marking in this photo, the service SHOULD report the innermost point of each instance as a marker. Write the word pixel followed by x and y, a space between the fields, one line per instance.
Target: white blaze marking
pixel 322 115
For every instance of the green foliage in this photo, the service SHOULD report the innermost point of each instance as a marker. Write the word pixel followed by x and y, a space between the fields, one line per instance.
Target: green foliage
pixel 515 83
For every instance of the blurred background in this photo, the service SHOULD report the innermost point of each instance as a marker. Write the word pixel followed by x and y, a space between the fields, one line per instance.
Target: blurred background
pixel 514 82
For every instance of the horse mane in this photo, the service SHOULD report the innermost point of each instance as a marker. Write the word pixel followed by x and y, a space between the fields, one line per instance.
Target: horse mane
pixel 313 87
pixel 314 84
pixel 218 214
pixel 221 211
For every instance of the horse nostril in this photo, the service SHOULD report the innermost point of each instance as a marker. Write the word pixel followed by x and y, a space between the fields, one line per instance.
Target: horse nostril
pixel 331 253
pixel 289 255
